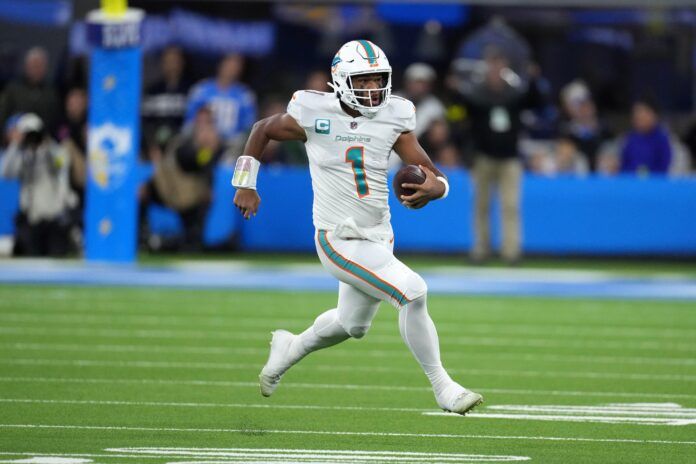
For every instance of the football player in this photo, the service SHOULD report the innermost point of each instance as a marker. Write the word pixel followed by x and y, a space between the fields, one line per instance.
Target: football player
pixel 349 134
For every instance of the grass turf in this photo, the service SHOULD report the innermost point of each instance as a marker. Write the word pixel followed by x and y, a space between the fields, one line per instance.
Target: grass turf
pixel 178 369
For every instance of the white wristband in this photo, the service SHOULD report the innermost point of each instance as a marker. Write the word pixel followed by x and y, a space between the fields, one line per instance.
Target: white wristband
pixel 245 172
pixel 444 181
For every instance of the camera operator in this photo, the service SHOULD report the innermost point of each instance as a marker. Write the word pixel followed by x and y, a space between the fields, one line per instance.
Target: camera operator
pixel 42 226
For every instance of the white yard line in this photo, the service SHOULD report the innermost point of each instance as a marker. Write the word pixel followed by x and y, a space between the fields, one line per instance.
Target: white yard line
pixel 75 455
pixel 384 339
pixel 236 322
pixel 513 411
pixel 330 386
pixel 636 414
pixel 636 409
pixel 664 414
pixel 223 350
pixel 270 455
pixel 572 418
pixel 328 456
pixel 211 405
pixel 343 433
pixel 147 364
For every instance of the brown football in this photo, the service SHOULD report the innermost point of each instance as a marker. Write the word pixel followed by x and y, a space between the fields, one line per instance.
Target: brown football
pixel 410 174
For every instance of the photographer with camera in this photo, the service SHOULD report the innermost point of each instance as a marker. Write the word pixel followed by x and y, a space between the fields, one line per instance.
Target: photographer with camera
pixel 42 226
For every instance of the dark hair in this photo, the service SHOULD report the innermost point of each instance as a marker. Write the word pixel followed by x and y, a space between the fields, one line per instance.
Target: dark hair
pixel 649 101
pixel 494 52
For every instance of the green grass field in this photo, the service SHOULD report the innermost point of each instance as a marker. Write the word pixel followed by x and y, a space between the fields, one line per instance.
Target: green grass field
pixel 124 375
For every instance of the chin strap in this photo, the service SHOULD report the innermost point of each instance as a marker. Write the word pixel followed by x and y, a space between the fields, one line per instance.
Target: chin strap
pixel 444 181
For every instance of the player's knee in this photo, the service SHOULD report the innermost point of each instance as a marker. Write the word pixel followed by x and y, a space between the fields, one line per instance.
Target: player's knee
pixel 417 287
pixel 354 326
pixel 357 331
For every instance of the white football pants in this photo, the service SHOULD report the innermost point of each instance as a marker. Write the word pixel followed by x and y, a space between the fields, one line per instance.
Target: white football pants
pixel 370 273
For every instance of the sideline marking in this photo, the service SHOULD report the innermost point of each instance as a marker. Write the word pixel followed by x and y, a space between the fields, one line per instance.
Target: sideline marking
pixel 342 433
pixel 614 413
pixel 312 278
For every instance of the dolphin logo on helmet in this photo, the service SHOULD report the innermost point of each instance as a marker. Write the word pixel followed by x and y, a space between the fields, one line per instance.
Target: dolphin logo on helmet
pixel 356 58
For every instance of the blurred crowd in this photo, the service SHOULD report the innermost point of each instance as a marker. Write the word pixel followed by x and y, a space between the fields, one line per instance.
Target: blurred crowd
pixel 490 115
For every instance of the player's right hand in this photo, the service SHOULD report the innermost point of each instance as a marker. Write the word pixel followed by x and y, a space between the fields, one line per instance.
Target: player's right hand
pixel 247 201
pixel 430 189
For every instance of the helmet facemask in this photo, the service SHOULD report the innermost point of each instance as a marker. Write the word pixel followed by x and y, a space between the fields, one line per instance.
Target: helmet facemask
pixel 361 99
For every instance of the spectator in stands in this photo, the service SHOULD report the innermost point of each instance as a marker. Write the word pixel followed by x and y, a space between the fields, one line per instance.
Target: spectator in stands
pixel 568 159
pixel 581 122
pixel 608 161
pixel 448 156
pixel 72 135
pixel 164 102
pixel 33 157
pixel 183 178
pixel 318 80
pixel 437 142
pixel 233 103
pixel 418 87
pixel 562 158
pixel 646 148
pixel 494 102
pixel 32 93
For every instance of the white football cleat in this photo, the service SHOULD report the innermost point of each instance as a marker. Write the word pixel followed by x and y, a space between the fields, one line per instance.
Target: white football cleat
pixel 277 362
pixel 458 399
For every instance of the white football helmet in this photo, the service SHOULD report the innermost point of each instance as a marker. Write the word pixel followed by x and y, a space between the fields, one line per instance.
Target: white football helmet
pixel 355 58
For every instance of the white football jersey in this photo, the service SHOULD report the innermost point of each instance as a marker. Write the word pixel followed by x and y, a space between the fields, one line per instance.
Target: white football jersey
pixel 348 157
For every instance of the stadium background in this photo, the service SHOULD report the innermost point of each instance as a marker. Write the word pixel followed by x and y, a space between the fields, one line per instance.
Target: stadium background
pixel 583 349
pixel 620 53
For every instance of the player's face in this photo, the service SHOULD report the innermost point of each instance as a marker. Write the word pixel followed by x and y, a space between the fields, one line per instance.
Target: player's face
pixel 644 118
pixel 368 83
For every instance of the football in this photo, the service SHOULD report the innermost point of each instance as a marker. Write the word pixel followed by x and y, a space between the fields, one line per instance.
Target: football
pixel 410 174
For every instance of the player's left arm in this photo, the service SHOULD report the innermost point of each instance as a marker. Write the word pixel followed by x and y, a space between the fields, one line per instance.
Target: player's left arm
pixel 435 185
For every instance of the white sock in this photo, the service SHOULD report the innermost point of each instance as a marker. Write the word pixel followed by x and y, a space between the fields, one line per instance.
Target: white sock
pixel 418 331
pixel 326 331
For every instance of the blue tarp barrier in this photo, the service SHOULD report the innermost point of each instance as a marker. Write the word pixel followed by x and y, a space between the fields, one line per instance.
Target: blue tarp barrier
pixel 594 215
pixel 9 203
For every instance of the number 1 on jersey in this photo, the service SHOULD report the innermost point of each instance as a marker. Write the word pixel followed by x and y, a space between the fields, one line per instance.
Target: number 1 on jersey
pixel 356 156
